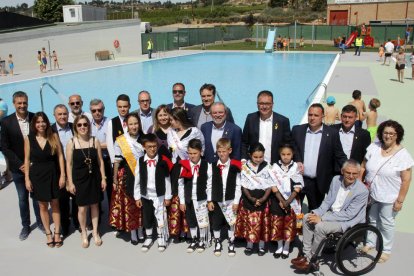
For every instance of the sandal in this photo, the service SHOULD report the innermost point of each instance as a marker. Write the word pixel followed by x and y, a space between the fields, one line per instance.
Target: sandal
pixel 52 243
pixel 98 240
pixel 58 243
pixel 85 241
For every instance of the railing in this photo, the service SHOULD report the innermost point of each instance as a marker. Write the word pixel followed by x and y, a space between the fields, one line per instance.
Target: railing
pixel 41 92
pixel 309 98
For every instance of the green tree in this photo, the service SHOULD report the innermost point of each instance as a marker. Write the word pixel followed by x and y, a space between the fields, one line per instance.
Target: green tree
pixel 277 3
pixel 318 5
pixel 50 10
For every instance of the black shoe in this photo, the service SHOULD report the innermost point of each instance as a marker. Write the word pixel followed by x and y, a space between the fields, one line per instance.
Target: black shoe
pixel 285 256
pixel 193 245
pixel 261 252
pixel 147 245
pixel 201 246
pixel 277 255
pixel 24 233
pixel 134 242
pixel 248 251
pixel 231 250
pixel 217 247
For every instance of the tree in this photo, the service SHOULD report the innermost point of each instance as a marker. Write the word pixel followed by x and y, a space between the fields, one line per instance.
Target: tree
pixel 277 3
pixel 50 10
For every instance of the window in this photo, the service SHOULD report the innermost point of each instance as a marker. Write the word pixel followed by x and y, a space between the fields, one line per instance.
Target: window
pixel 72 12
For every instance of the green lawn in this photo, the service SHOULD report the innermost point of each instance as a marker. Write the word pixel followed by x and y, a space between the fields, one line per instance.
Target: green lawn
pixel 252 46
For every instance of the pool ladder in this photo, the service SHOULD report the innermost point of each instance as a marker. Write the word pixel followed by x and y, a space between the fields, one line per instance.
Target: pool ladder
pixel 309 98
pixel 41 92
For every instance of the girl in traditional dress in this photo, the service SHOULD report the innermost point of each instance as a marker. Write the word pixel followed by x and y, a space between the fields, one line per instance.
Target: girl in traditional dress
pixel 284 203
pixel 125 215
pixel 178 136
pixel 253 220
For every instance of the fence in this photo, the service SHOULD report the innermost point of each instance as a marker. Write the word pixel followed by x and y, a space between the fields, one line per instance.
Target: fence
pixel 194 36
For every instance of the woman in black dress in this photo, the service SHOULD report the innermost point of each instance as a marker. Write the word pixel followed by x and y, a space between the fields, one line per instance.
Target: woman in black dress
pixel 160 128
pixel 45 172
pixel 86 175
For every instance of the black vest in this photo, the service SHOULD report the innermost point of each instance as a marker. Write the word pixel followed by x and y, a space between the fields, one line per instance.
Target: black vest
pixel 201 184
pixel 161 172
pixel 117 129
pixel 217 187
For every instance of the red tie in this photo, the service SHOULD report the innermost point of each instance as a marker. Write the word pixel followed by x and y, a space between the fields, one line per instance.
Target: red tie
pixel 221 167
pixel 195 169
pixel 151 162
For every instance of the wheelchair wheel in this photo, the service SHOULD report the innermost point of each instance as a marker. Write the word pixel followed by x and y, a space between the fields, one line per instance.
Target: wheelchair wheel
pixel 353 255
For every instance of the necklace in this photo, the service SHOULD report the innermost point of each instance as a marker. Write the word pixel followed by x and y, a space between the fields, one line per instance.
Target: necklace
pixel 88 160
pixel 388 150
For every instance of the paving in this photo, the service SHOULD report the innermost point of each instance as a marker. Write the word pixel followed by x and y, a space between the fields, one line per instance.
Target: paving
pixel 119 257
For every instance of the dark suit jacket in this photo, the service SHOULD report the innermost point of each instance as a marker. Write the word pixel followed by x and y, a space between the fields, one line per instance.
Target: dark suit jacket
pixel 54 127
pixel 330 157
pixel 12 141
pixel 194 114
pixel 188 106
pixel 361 141
pixel 280 134
pixel 231 131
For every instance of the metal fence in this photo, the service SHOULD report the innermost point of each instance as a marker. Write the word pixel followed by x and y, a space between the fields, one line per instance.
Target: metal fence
pixel 194 36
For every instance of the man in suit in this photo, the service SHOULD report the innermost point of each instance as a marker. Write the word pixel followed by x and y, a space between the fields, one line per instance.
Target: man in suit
pixel 317 150
pixel 220 128
pixel 145 111
pixel 65 131
pixel 179 92
pixel 343 208
pixel 355 140
pixel 201 114
pixel 267 127
pixel 13 130
pixel 117 125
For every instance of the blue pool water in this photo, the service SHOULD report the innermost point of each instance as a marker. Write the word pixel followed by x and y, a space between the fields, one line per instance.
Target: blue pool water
pixel 237 76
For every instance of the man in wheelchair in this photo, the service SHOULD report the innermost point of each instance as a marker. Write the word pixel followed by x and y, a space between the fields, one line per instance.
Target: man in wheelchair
pixel 343 207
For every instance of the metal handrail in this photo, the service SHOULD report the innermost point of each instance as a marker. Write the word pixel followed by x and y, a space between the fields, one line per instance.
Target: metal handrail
pixel 41 92
pixel 324 85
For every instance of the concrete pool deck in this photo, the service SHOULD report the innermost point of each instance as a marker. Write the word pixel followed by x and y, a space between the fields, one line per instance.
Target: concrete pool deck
pixel 118 256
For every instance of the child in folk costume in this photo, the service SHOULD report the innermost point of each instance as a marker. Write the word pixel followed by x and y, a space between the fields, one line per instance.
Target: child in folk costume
pixel 124 214
pixel 225 195
pixel 194 188
pixel 285 204
pixel 152 191
pixel 253 219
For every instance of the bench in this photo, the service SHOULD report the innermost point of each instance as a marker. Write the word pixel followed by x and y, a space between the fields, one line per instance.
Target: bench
pixel 104 55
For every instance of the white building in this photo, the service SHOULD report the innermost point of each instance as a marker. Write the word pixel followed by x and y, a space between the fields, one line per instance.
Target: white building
pixel 81 13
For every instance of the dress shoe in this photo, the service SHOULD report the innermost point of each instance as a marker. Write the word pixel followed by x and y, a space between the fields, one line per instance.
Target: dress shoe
pixel 24 233
pixel 285 255
pixel 298 260
pixel 261 252
pixel 134 242
pixel 248 251
pixel 277 255
pixel 303 266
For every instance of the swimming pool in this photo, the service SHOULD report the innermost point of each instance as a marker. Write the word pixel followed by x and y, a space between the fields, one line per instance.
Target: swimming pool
pixel 238 78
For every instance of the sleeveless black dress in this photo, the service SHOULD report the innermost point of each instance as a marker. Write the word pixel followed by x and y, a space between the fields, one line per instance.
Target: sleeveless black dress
pixel 88 185
pixel 43 171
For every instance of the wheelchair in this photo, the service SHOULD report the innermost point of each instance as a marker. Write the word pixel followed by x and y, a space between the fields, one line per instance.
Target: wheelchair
pixel 353 256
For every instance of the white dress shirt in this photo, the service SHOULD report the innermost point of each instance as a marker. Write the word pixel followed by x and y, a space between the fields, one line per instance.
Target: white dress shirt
pixel 24 125
pixel 195 177
pixel 216 134
pixel 109 140
pixel 347 138
pixel 224 175
pixel 312 144
pixel 340 197
pixel 265 137
pixel 72 117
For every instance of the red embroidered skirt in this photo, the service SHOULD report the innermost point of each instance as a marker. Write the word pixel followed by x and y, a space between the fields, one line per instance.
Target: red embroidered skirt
pixel 283 227
pixel 124 213
pixel 176 219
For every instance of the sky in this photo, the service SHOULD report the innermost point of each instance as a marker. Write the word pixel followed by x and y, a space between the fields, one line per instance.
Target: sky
pixel 30 2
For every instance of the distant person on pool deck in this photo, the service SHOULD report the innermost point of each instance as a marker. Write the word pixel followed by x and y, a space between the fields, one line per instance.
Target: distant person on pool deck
pixel 145 111
pixel 269 128
pixel 14 128
pixel 179 92
pixel 55 60
pixel 331 112
pixel 372 117
pixel 359 41
pixel 44 58
pixel 201 113
pixel 360 106
pixel 11 64
pixel 400 65
pixel 343 208
pixel 220 128
pixel 75 105
pixel 389 49
pixel 150 48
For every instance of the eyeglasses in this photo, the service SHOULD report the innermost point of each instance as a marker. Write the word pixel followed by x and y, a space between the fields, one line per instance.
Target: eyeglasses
pixel 75 103
pixel 178 91
pixel 144 101
pixel 82 125
pixel 391 134
pixel 264 104
pixel 96 110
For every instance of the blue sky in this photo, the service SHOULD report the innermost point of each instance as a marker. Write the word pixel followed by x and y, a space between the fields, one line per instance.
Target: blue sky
pixel 30 2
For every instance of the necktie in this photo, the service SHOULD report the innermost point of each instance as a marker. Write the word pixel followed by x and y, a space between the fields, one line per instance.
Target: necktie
pixel 151 162
pixel 221 167
pixel 195 169
pixel 124 124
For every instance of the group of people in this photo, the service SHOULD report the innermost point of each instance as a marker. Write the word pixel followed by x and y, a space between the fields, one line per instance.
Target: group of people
pixel 42 57
pixel 190 172
pixel 388 50
pixel 10 66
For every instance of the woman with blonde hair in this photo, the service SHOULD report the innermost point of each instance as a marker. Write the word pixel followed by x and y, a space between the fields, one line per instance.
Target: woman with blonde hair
pixel 44 172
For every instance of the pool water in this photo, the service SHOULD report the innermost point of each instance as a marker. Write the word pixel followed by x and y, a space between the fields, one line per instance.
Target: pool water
pixel 238 78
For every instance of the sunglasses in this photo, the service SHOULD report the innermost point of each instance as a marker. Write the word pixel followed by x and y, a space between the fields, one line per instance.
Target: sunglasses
pixel 75 103
pixel 144 101
pixel 96 110
pixel 178 91
pixel 82 125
